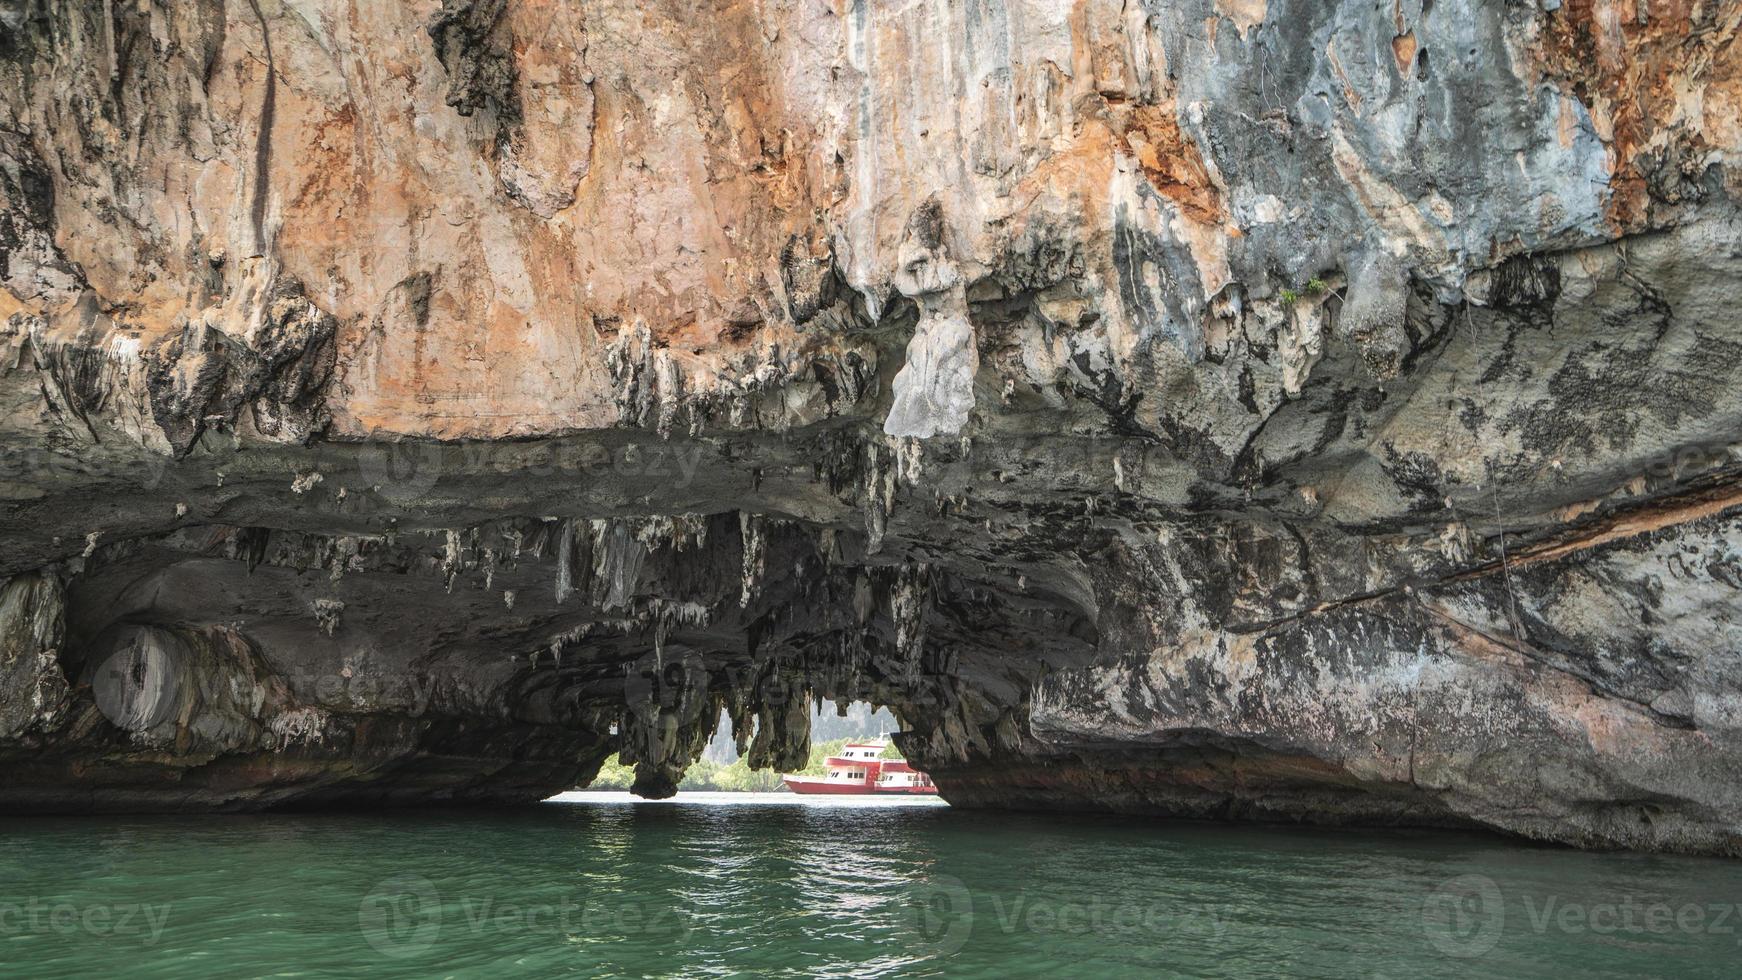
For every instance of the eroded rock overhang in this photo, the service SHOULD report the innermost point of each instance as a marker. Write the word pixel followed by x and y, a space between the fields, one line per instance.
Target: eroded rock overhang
pixel 1311 411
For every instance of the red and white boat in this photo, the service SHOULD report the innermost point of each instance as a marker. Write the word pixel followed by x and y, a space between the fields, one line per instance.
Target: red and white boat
pixel 859 770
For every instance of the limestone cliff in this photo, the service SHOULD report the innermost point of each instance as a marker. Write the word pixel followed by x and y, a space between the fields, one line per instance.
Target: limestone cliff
pixel 1289 409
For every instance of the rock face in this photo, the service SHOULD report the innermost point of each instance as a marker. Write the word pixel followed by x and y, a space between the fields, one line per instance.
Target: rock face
pixel 1290 409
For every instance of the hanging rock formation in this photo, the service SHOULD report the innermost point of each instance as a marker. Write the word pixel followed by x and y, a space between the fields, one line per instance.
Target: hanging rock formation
pixel 1305 410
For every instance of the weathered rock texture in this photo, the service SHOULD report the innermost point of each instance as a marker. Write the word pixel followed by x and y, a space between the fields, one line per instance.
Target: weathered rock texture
pixel 1299 409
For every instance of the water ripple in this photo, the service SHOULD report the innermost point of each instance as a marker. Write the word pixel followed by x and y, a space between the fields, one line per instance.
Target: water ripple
pixel 609 888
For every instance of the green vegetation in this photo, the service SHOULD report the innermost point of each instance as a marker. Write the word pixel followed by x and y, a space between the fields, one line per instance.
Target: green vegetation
pixel 1314 287
pixel 711 777
pixel 613 775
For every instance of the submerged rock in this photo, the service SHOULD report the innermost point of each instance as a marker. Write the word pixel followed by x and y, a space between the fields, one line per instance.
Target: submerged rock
pixel 1320 411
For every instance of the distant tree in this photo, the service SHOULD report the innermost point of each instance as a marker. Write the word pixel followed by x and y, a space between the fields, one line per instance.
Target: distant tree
pixel 860 722
pixel 740 778
pixel 707 775
pixel 613 775
pixel 702 777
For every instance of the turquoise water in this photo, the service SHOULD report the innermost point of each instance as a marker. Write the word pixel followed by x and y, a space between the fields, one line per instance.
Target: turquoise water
pixel 609 887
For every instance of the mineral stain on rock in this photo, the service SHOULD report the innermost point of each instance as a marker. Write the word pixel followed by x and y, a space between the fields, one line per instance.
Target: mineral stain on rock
pixel 1311 411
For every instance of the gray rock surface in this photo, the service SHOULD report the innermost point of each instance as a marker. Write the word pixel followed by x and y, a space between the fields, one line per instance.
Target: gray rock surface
pixel 1318 411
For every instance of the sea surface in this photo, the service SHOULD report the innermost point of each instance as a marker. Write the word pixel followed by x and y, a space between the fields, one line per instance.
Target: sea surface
pixel 599 884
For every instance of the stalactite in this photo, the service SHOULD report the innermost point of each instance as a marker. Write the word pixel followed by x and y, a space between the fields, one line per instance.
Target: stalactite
pixel 750 529
pixel 879 494
pixel 908 602
pixel 451 558
pixel 565 561
pixel 618 558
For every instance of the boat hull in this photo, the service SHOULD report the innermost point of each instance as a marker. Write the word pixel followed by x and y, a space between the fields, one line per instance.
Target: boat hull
pixel 811 785
pixel 814 785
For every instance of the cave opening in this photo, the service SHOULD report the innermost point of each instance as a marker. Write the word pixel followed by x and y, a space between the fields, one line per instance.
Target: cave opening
pixel 853 751
pixel 506 659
